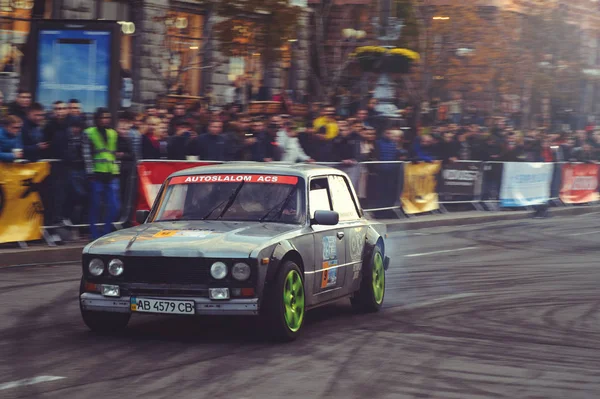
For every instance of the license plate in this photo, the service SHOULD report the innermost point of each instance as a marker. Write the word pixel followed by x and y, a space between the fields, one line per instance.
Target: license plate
pixel 147 305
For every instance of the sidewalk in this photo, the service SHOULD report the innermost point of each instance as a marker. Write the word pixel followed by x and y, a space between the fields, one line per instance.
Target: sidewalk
pixel 42 254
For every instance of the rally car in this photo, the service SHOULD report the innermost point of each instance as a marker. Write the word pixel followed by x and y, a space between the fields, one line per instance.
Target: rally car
pixel 239 239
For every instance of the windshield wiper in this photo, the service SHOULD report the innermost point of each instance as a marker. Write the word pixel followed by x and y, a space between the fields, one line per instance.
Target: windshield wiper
pixel 232 199
pixel 280 206
pixel 214 209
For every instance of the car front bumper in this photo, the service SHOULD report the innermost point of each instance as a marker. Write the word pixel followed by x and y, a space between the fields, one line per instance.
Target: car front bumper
pixel 204 306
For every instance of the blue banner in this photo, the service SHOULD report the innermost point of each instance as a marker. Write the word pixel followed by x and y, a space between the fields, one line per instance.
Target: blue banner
pixel 525 184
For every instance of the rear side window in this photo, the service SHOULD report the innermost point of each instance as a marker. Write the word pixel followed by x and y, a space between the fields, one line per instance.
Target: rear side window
pixel 343 202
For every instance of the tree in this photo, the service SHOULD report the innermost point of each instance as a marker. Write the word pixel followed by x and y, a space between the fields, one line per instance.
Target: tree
pixel 491 53
pixel 554 63
pixel 462 50
pixel 330 49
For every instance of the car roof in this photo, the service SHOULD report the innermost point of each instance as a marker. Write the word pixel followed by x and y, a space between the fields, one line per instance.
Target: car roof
pixel 300 170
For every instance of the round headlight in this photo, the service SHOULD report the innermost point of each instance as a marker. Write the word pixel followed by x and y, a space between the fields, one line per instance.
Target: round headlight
pixel 96 267
pixel 115 267
pixel 240 271
pixel 218 270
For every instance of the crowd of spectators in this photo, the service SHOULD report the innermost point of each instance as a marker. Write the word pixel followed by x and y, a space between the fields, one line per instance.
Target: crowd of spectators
pixel 200 132
pixel 501 142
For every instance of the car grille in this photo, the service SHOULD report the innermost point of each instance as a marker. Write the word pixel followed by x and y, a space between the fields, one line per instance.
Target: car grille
pixel 166 270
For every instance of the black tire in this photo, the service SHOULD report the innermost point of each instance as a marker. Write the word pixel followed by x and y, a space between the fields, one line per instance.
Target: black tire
pixel 368 298
pixel 103 322
pixel 274 310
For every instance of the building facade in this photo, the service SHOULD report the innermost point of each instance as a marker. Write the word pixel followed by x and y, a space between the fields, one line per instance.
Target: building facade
pixel 167 47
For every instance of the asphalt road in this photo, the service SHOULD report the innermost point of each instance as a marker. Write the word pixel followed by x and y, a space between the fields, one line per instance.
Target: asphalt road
pixel 510 310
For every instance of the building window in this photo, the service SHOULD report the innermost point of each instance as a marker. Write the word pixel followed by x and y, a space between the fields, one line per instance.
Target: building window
pixel 236 68
pixel 246 60
pixel 15 17
pixel 183 40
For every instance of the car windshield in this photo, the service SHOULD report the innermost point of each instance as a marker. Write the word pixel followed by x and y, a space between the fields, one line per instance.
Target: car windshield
pixel 248 197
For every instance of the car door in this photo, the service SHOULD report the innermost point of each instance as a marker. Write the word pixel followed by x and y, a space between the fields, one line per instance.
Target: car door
pixel 354 228
pixel 329 244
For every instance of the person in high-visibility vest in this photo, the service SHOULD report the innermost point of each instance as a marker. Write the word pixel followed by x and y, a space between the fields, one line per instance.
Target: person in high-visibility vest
pixel 102 169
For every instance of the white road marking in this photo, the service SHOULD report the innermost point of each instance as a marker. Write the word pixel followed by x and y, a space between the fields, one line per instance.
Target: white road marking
pixel 439 252
pixel 29 381
pixel 583 234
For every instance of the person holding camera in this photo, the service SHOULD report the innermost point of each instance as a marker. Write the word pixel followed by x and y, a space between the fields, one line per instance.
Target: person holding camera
pixel 11 146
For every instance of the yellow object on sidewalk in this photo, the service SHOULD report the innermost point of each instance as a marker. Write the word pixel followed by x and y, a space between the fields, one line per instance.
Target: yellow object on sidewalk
pixel 21 208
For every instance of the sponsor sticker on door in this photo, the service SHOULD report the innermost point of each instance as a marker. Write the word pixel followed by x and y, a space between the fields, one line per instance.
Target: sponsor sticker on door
pixel 330 260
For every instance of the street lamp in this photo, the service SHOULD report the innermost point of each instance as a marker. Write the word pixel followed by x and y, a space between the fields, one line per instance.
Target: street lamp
pixel 128 28
pixel 441 18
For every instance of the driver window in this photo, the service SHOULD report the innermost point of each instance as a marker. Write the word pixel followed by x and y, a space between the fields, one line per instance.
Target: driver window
pixel 343 203
pixel 319 199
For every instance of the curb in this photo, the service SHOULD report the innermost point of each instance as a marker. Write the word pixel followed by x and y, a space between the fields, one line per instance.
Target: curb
pixel 480 217
pixel 72 253
pixel 34 256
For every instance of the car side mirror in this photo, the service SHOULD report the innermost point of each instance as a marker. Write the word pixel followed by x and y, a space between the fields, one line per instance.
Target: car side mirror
pixel 141 216
pixel 326 218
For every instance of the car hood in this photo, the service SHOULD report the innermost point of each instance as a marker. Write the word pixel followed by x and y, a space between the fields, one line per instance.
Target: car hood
pixel 209 239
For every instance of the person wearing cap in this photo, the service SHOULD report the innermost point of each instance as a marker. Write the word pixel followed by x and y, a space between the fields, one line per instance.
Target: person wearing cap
pixel 327 121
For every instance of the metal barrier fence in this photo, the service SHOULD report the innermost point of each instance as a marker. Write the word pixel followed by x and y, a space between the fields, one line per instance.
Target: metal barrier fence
pixel 406 188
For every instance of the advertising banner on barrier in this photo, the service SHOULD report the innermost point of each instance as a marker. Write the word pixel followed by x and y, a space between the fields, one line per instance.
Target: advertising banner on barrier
pixel 152 175
pixel 462 178
pixel 21 208
pixel 579 183
pixel 525 184
pixel 420 184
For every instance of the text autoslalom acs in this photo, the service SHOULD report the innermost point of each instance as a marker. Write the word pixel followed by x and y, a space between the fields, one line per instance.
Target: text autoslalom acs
pixel 272 179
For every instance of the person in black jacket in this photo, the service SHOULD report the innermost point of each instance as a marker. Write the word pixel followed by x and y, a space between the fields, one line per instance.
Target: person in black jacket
pixel 34 146
pixel 241 141
pixel 75 116
pixel 268 149
pixel 212 145
pixel 177 147
pixel 346 145
pixel 21 105
pixel 449 147
pixel 126 156
pixel 78 190
pixel 57 134
pixel 179 116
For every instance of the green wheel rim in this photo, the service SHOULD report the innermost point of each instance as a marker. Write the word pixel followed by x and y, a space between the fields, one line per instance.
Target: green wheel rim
pixel 293 301
pixel 378 278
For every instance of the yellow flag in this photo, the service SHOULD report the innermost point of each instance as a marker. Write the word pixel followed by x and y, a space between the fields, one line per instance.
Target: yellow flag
pixel 21 208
